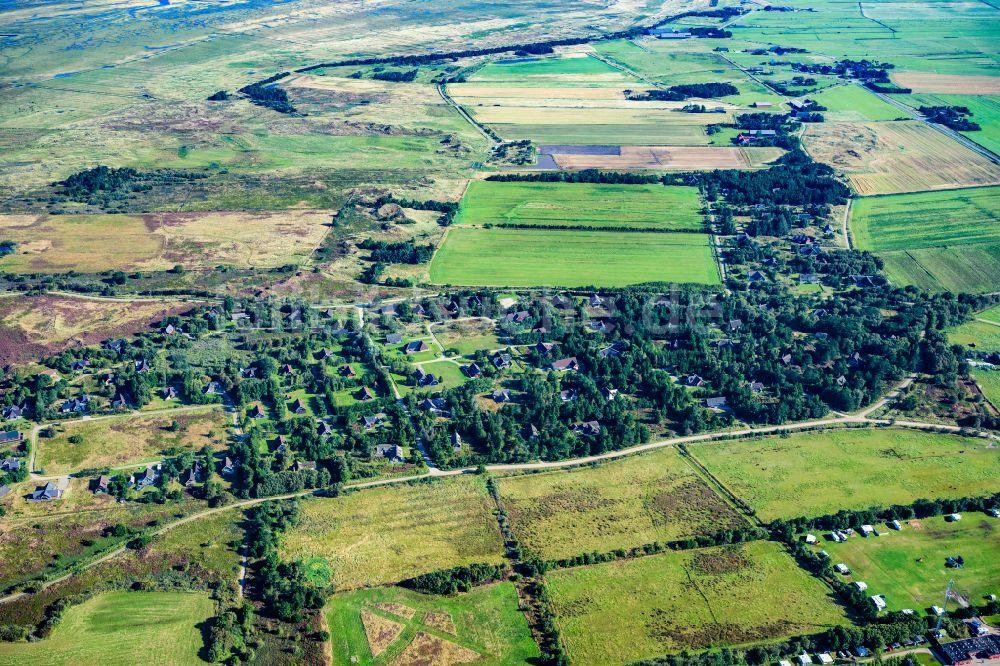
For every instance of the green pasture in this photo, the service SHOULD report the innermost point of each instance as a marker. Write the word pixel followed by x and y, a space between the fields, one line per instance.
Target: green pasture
pixel 818 473
pixel 908 566
pixel 122 629
pixel 936 240
pixel 651 497
pixel 486 620
pixel 581 204
pixel 629 610
pixel 535 257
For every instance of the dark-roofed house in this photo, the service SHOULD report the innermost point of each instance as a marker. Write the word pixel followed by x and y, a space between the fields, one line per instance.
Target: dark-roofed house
pixel 248 373
pixel 841 380
pixel 425 378
pixel 501 396
pixel 298 407
pixel 472 370
pixel 756 387
pixel 808 278
pixel 79 366
pixel 456 441
pixel 324 354
pixel 4 491
pixel 142 366
pixel 347 371
pixel 364 393
pixel 567 395
pixel 14 412
pixel 391 452
pixel 716 403
pixel 147 478
pixel 76 405
pixel 390 309
pixel 501 360
pixel 8 436
pixel 543 348
pixel 587 429
pixel 564 364
pixel 433 405
pixel 517 317
pixel 756 277
pixel 303 465
pixel 596 301
pixel 50 491
pixel 854 360
pixel 864 281
pixel 119 402
pixel 610 350
pixel 394 338
pixel 323 429
pixel 694 380
pixel 256 412
pixel 214 388
pixel 287 370
pixel 10 465
pixel 228 466
pixel 609 393
pixel 191 477
pixel 416 347
pixel 786 359
pixel 529 432
pixel 169 393
pixel 372 420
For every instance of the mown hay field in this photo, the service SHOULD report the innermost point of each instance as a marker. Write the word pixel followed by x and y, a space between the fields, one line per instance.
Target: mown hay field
pixel 385 535
pixel 897 157
pixel 947 240
pixel 537 257
pixel 116 628
pixel 628 610
pixel 38 326
pixel 668 158
pixel 983 333
pixel 852 103
pixel 953 84
pixel 908 566
pixel 927 219
pixel 131 439
pixel 818 473
pixel 486 622
pixel 989 384
pixel 581 204
pixel 94 243
pixel 646 498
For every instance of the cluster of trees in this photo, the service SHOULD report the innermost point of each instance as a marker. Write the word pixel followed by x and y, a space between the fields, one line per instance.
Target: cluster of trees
pixel 683 91
pixel 7 247
pixel 794 181
pixel 265 93
pixel 395 75
pixel 107 187
pixel 406 252
pixel 458 579
pixel 230 635
pixel 955 117
pixel 709 32
pixel 922 508
pixel 720 538
pixel 281 586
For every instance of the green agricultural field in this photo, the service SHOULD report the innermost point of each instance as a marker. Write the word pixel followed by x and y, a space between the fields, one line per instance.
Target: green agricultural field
pixel 583 71
pixel 535 257
pixel 628 610
pixel 131 439
pixel 936 240
pixel 581 204
pixel 853 103
pixel 606 134
pixel 115 628
pixel 983 332
pixel 908 566
pixel 817 473
pixel 376 625
pixel 985 111
pixel 989 383
pixel 645 498
pixel 385 535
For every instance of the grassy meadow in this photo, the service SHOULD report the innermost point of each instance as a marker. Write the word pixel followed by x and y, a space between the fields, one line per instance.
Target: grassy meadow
pixel 817 473
pixel 385 535
pixel 936 240
pixel 377 625
pixel 129 440
pixel 121 629
pixel 536 257
pixel 623 504
pixel 908 566
pixel 628 610
pixel 581 205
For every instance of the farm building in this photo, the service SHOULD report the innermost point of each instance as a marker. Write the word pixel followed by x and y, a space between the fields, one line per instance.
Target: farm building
pixel 953 517
pixel 861 585
pixel 825 658
pixel 50 491
pixel 867 530
pixel 841 569
pixel 803 659
pixel 416 347
pixel 394 338
pixel 564 364
pixel 878 601
pixel 762 105
pixel 970 649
